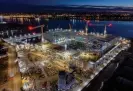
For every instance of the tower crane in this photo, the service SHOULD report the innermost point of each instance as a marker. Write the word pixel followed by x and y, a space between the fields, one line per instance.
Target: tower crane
pixel 70 27
pixel 88 23
pixel 40 26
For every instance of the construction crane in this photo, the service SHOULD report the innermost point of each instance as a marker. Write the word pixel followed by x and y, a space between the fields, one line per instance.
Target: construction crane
pixel 91 24
pixel 88 23
pixel 108 25
pixel 70 27
pixel 40 26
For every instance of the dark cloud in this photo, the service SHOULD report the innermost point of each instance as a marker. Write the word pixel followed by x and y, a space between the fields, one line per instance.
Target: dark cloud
pixel 73 2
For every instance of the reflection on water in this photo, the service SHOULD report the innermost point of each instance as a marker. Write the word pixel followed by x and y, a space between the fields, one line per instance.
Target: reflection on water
pixel 18 20
pixel 120 28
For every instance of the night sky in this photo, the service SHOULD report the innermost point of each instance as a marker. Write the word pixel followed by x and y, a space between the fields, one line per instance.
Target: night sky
pixel 72 2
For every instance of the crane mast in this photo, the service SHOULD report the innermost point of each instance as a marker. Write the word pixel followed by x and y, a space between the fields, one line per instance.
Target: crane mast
pixel 40 26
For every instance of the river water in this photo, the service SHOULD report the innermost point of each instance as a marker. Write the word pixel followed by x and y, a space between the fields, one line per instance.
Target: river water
pixel 118 28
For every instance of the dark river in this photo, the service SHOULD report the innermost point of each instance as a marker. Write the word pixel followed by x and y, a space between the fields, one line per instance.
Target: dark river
pixel 118 28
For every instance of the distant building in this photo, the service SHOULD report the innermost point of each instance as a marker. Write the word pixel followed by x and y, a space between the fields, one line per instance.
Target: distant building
pixel 65 81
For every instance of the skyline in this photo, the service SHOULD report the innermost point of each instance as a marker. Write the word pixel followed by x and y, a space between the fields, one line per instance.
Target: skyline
pixel 125 3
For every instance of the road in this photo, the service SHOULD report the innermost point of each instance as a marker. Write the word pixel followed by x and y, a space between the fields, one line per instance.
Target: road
pixel 14 80
pixel 106 73
pixel 96 83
